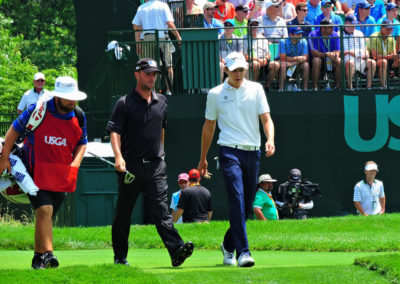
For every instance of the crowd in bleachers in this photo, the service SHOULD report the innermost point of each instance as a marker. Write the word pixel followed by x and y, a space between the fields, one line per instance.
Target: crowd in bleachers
pixel 287 44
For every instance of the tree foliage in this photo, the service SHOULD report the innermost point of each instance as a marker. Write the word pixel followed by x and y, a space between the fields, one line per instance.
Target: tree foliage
pixel 16 70
pixel 48 29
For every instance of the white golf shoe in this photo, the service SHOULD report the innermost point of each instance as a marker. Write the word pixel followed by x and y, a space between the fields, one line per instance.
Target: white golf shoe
pixel 229 257
pixel 245 260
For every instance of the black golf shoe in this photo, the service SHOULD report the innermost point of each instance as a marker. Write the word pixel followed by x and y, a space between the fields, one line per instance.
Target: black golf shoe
pixel 50 261
pixel 37 261
pixel 183 252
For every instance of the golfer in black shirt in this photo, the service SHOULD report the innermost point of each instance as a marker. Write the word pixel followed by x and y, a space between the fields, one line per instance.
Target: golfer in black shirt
pixel 137 136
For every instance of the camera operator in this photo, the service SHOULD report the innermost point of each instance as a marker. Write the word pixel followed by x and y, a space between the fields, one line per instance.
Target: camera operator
pixel 294 197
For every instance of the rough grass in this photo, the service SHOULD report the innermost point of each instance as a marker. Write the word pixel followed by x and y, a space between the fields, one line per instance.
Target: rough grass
pixel 387 265
pixel 351 233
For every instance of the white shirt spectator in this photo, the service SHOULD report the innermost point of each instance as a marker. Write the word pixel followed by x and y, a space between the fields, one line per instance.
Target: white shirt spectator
pixel 355 42
pixel 368 196
pixel 238 112
pixel 260 46
pixel 153 15
pixel 30 97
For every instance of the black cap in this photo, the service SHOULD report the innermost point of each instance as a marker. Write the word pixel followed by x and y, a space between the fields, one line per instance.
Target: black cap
pixel 242 8
pixel 326 21
pixel 295 175
pixel 147 65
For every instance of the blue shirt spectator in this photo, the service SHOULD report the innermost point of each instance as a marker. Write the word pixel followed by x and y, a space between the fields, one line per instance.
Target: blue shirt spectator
pixel 364 18
pixel 287 47
pixel 313 12
pixel 316 42
pixel 392 11
pixel 377 10
pixel 209 20
pixel 396 29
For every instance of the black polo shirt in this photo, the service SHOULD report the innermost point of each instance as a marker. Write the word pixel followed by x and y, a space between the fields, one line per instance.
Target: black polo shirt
pixel 196 203
pixel 140 125
pixel 304 26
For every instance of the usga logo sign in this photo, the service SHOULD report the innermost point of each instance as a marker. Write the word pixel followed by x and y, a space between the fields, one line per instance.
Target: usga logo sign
pixel 52 140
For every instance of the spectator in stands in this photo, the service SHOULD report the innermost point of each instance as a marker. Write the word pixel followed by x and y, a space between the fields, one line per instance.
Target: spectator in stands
pixel 195 201
pixel 293 54
pixel 241 21
pixel 363 17
pixel 224 11
pixel 228 42
pixel 264 206
pixel 369 196
pixel 150 16
pixel 301 10
pixel 275 25
pixel 392 11
pixel 289 11
pixel 192 8
pixel 326 7
pixel 350 6
pixel 260 55
pixel 257 9
pixel 209 20
pixel 325 52
pixel 377 9
pixel 356 56
pixel 383 50
pixel 314 10
pixel 32 96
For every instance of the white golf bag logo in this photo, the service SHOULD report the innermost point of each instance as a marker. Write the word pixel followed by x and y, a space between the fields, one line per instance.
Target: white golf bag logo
pixel 58 141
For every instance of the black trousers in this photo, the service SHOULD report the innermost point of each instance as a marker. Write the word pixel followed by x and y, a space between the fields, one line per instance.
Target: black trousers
pixel 151 179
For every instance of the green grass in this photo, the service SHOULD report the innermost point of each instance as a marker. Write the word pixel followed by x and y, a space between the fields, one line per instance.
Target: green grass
pixel 319 250
pixel 351 233
pixel 153 266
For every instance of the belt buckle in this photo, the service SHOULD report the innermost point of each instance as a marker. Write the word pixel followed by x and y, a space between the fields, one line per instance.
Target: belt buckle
pixel 144 161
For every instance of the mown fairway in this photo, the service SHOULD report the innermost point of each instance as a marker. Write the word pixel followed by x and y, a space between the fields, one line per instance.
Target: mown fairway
pixel 285 252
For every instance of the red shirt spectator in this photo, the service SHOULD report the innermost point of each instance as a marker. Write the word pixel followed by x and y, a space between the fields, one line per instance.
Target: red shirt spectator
pixel 224 11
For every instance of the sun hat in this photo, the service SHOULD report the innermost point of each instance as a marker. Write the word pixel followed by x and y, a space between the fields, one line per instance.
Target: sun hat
pixel 67 88
pixel 265 177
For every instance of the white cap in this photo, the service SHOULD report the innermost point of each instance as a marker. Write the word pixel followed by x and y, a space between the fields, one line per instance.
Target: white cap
pixel 371 167
pixel 67 88
pixel 235 60
pixel 266 177
pixel 270 3
pixel 38 76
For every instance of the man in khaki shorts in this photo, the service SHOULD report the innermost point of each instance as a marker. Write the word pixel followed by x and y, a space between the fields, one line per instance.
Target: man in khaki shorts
pixel 150 16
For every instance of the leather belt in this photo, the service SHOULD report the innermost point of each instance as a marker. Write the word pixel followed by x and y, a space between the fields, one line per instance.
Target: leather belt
pixel 242 147
pixel 147 160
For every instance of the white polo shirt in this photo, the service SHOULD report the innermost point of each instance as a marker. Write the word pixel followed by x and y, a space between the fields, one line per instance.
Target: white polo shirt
pixel 153 15
pixel 368 196
pixel 30 97
pixel 237 112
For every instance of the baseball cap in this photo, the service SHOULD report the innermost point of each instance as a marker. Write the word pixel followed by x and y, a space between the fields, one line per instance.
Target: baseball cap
pixel 229 21
pixel 183 176
pixel 38 76
pixel 364 5
pixel 235 60
pixel 295 30
pixel 147 65
pixel 241 8
pixel 266 177
pixel 390 6
pixel 325 3
pixel 387 24
pixel 194 173
pixel 371 167
pixel 351 19
pixel 272 3
pixel 209 5
pixel 254 21
pixel 295 175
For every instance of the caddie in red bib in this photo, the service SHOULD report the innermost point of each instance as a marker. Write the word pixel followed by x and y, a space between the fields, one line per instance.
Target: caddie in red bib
pixel 54 131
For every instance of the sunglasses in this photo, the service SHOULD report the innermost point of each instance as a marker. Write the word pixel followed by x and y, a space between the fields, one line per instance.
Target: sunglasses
pixel 182 181
pixel 278 5
pixel 304 10
pixel 211 9
pixel 255 25
pixel 228 25
pixel 40 80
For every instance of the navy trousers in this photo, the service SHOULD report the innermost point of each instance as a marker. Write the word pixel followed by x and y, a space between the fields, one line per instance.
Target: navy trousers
pixel 240 171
